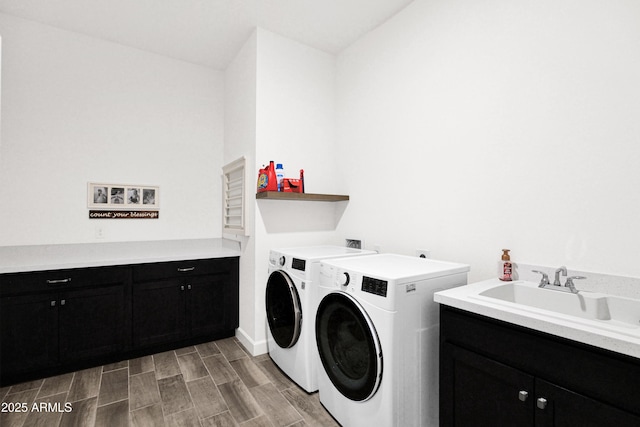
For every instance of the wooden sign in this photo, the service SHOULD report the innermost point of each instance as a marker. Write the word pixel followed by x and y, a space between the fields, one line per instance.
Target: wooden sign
pixel 108 214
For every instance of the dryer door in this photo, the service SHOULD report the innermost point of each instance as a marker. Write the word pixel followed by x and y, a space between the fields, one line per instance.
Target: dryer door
pixel 283 309
pixel 349 347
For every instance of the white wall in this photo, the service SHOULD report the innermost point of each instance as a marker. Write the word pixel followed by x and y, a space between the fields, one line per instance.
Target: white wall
pixel 466 127
pixel 240 140
pixel 0 99
pixel 294 125
pixel 296 110
pixel 78 110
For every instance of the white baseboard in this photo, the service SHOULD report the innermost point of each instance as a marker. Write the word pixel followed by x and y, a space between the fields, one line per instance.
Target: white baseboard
pixel 253 347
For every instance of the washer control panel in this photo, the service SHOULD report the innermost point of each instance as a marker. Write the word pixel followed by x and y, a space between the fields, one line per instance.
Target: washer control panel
pixel 298 264
pixel 374 286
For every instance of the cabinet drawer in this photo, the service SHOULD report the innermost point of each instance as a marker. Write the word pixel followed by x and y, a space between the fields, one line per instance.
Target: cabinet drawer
pixel 24 283
pixel 177 269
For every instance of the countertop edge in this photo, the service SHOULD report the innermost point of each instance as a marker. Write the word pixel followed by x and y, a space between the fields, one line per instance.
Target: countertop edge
pixel 20 259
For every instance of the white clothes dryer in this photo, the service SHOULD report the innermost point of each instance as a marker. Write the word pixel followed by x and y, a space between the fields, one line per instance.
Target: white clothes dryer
pixel 377 331
pixel 291 303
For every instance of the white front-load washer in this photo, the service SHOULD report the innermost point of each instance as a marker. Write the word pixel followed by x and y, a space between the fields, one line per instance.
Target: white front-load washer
pixel 291 302
pixel 377 330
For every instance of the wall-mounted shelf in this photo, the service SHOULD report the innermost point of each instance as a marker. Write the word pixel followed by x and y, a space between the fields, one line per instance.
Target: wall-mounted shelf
pixel 276 195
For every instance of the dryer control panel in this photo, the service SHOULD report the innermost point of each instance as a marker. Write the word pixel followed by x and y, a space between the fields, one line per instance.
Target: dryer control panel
pixel 374 286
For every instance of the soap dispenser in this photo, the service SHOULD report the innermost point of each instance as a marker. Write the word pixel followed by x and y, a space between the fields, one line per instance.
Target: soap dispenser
pixel 506 270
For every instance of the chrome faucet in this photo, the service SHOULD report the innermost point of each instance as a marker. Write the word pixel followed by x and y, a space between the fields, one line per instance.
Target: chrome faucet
pixel 562 270
pixel 569 284
pixel 544 281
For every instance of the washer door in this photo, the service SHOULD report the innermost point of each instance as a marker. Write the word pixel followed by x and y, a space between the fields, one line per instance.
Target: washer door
pixel 283 309
pixel 349 347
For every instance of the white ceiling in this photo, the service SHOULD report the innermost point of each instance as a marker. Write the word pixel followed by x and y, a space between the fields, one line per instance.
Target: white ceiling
pixel 209 32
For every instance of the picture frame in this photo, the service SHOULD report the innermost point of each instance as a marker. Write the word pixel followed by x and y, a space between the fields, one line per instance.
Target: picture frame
pixel 122 196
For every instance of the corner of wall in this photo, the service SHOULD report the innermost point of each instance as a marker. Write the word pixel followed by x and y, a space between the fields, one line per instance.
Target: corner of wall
pixel 255 348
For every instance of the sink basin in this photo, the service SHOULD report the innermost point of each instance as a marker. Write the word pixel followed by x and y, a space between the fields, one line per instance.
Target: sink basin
pixel 611 312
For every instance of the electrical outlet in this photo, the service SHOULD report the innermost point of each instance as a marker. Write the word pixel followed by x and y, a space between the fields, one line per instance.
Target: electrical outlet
pixel 423 253
pixel 99 230
pixel 354 243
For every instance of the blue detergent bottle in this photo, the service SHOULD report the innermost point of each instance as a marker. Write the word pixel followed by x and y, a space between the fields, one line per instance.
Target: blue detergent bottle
pixel 280 176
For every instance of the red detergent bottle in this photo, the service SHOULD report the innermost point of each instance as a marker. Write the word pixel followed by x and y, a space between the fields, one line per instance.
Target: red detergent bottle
pixel 267 178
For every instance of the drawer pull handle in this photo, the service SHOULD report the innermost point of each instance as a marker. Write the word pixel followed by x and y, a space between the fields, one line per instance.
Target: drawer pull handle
pixel 542 403
pixel 63 302
pixel 189 287
pixel 523 395
pixel 53 303
pixel 58 281
pixel 182 270
pixel 182 287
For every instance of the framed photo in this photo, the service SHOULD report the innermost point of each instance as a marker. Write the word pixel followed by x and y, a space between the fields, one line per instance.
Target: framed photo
pixel 116 195
pixel 149 196
pixel 133 196
pixel 100 195
pixel 122 196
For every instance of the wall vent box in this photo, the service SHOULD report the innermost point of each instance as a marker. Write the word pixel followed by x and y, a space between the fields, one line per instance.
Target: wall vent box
pixel 354 243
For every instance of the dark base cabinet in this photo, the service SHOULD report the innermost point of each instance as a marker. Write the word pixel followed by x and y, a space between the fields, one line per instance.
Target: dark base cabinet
pixel 28 334
pixel 52 319
pixel 64 320
pixel 496 374
pixel 178 301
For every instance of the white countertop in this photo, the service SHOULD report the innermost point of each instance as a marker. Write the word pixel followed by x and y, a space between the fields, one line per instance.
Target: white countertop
pixel 15 259
pixel 463 298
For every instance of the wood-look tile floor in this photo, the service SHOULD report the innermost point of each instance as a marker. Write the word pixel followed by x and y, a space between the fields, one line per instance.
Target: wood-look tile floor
pixel 211 384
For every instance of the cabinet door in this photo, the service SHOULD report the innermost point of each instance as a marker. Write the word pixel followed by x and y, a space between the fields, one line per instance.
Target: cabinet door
pixel 208 305
pixel 91 322
pixel 481 392
pixel 565 408
pixel 28 333
pixel 158 312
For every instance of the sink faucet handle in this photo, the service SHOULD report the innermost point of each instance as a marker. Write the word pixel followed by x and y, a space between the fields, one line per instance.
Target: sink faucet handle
pixel 544 281
pixel 569 283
